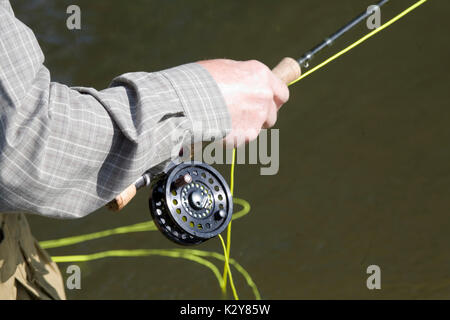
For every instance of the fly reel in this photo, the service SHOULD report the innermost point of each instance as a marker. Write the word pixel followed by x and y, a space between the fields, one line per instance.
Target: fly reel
pixel 191 203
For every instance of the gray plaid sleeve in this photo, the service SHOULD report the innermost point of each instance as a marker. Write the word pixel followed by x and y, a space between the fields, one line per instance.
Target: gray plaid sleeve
pixel 6 5
pixel 64 152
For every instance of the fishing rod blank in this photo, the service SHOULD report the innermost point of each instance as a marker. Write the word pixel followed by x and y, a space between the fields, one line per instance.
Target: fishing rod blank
pixel 307 57
pixel 288 70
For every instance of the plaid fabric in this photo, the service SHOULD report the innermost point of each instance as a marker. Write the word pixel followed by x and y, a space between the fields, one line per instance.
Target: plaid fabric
pixel 64 152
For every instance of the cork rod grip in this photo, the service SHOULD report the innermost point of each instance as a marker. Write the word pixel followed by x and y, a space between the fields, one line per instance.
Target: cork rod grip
pixel 123 198
pixel 287 70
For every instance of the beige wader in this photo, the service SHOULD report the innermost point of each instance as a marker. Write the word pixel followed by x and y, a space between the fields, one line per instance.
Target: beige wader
pixel 26 270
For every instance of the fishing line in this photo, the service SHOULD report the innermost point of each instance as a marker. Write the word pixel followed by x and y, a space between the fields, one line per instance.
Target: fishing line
pixel 235 264
pixel 138 227
pixel 140 253
pixel 228 246
pixel 188 254
pixel 227 269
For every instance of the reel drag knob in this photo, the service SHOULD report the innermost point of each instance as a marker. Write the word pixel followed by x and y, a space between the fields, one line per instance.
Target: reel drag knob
pixel 191 203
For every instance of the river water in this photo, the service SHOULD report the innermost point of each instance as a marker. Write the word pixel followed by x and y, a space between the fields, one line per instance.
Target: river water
pixel 364 175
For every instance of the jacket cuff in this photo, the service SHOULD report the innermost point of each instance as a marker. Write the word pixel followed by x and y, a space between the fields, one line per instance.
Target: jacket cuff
pixel 201 99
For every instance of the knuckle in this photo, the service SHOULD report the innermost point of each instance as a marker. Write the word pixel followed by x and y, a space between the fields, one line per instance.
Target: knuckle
pixel 266 93
pixel 254 63
pixel 258 66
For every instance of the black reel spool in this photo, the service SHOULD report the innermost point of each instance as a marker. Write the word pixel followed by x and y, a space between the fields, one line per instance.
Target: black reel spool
pixel 191 203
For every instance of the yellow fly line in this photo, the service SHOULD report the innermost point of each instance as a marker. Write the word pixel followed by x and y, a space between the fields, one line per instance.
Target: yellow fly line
pixel 188 254
pixel 138 227
pixel 227 248
pixel 199 256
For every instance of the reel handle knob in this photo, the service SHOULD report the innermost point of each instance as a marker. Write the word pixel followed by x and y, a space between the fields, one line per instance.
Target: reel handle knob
pixel 287 70
pixel 123 198
pixel 186 179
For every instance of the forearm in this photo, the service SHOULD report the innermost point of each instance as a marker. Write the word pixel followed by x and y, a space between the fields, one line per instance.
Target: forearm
pixel 65 152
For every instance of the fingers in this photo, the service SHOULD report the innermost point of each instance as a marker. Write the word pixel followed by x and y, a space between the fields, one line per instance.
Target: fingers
pixel 278 87
pixel 253 94
pixel 280 97
pixel 280 91
pixel 271 117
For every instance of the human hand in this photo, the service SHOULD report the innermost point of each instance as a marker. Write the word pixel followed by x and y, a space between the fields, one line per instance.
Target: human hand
pixel 253 94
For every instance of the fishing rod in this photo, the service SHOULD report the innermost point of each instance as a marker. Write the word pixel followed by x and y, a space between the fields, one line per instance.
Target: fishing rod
pixel 191 202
